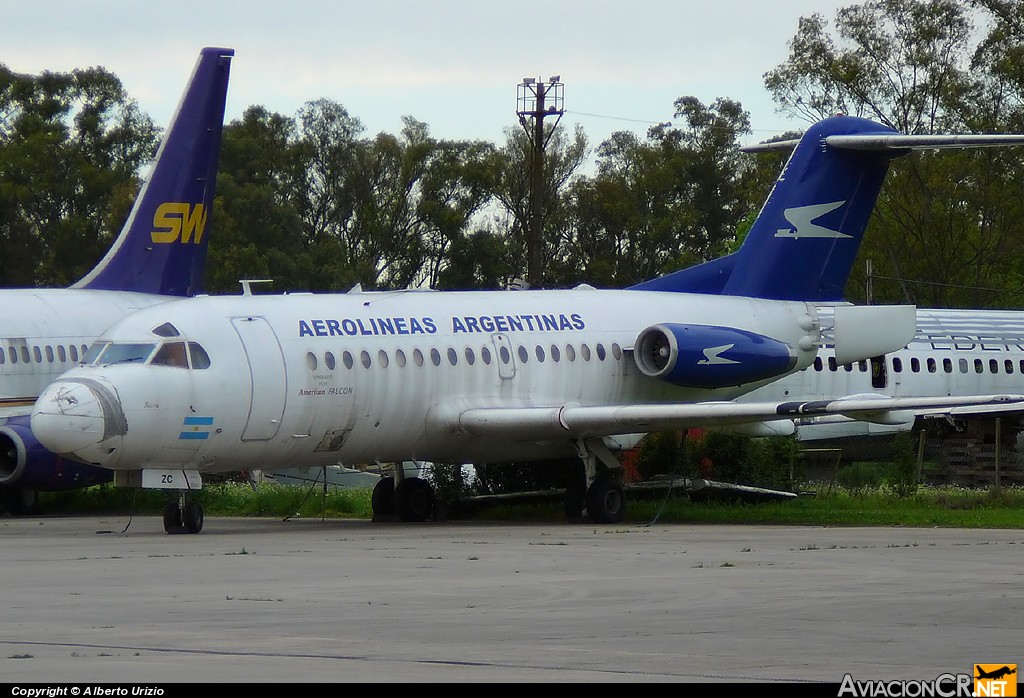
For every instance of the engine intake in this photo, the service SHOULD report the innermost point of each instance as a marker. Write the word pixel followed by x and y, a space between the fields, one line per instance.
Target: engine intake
pixel 709 356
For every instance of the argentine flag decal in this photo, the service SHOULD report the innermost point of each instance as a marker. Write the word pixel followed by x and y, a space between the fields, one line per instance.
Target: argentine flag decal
pixel 192 428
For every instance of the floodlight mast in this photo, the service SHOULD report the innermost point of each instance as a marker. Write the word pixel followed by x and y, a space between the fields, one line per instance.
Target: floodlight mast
pixel 536 100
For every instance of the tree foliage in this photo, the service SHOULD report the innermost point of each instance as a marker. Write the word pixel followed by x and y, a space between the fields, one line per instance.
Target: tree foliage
pixel 71 146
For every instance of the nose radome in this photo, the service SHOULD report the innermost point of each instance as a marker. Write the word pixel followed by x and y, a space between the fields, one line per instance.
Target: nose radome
pixel 69 416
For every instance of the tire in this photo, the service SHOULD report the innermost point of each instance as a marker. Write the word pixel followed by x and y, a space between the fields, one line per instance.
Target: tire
pixel 382 501
pixel 575 493
pixel 21 501
pixel 193 518
pixel 414 499
pixel 606 501
pixel 172 518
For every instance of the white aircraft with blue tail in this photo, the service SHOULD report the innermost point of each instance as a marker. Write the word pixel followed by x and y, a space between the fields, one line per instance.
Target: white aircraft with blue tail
pixel 223 384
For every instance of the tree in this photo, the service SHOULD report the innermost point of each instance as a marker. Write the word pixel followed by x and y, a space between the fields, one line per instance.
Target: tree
pixel 672 200
pixel 71 147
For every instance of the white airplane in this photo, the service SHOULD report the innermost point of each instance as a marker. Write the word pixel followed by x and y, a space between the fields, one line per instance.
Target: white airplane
pixel 158 255
pixel 223 384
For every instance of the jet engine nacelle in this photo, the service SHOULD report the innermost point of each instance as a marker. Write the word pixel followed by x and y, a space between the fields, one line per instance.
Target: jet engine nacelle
pixel 708 356
pixel 24 463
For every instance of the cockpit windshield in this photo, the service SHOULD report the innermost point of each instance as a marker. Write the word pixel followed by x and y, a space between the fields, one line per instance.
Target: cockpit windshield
pixel 94 351
pixel 174 354
pixel 121 352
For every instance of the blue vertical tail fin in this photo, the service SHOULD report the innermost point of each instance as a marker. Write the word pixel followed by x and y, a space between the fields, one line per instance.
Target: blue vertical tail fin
pixel 162 246
pixel 805 239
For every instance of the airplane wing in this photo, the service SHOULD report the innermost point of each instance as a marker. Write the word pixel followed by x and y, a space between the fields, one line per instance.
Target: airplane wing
pixel 576 422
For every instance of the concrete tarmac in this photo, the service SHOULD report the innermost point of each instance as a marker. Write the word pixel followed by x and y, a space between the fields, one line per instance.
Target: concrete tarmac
pixel 267 601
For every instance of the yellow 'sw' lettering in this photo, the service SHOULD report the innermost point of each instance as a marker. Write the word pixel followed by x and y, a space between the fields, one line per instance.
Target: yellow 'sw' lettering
pixel 178 220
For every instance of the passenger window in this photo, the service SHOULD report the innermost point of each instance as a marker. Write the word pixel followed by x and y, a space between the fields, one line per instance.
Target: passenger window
pixel 863 366
pixel 400 358
pixel 616 351
pixel 453 356
pixel 49 353
pixel 485 354
pixel 570 352
pixel 848 367
pixel 504 354
pixel 817 363
pixel 585 352
pixel 3 357
pixel 554 353
pixel 364 358
pixel 947 365
pixel 74 352
pixel 993 366
pixel 897 365
pixel 540 353
pixel 311 360
pixel 382 358
pixel 1009 365
pixel 600 352
pixel 979 366
pixel 963 365
pixel 346 358
pixel 62 355
pixel 832 364
pixel 37 355
pixel 435 357
pixel 200 359
pixel 329 361
pixel 171 354
pixel 470 356
pixel 417 357
pixel 931 366
pixel 523 354
pixel 915 365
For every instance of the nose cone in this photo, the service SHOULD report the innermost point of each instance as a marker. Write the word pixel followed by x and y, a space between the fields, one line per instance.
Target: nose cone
pixel 71 416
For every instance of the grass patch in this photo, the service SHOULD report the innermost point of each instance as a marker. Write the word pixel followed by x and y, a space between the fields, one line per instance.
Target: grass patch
pixel 818 505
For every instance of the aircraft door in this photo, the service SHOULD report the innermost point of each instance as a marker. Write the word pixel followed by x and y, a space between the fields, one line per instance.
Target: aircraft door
pixel 879 376
pixel 506 360
pixel 269 385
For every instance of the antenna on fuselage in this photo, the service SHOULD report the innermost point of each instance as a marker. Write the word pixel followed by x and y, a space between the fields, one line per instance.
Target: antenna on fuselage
pixel 247 284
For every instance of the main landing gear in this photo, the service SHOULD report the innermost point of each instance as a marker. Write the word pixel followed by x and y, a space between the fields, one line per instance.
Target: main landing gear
pixel 411 499
pixel 593 488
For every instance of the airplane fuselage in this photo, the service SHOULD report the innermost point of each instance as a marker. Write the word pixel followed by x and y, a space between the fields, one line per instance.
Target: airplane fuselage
pixel 359 378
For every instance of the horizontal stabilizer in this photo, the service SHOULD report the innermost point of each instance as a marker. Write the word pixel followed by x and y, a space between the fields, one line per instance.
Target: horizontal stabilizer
pixel 898 142
pixel 862 332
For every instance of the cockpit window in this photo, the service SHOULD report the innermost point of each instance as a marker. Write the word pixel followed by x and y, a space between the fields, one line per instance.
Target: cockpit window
pixel 171 354
pixel 200 359
pixel 94 351
pixel 117 353
pixel 166 330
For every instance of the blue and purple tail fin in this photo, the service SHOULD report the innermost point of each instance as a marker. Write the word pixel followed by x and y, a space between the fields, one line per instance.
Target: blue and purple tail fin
pixel 805 239
pixel 162 247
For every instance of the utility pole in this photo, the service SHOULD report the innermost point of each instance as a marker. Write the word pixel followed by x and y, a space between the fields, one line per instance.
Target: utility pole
pixel 536 100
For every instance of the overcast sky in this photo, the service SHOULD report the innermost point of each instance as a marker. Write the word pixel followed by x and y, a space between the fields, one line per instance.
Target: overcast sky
pixel 453 64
